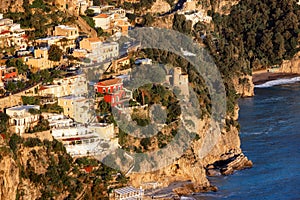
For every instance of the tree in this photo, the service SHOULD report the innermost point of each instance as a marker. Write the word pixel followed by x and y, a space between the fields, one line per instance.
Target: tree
pixel 89 12
pixel 96 2
pixel 3 122
pixel 55 53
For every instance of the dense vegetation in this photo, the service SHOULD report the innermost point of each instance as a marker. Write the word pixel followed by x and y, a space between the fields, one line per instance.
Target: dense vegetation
pixel 255 34
pixel 259 33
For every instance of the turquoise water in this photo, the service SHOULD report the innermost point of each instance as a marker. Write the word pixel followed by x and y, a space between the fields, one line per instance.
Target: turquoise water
pixel 270 134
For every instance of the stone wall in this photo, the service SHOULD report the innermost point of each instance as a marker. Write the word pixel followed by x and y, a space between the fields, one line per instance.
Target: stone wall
pixel 15 99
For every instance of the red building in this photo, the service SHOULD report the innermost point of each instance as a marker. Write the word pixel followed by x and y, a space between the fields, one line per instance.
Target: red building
pixel 8 73
pixel 113 91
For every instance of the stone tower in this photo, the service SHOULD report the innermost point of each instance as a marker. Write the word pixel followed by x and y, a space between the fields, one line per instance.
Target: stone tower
pixel 181 80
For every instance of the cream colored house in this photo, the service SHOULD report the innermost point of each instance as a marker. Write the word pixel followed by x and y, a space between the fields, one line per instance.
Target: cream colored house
pixel 63 42
pixel 39 61
pixel 99 51
pixel 21 119
pixel 72 85
pixel 69 32
pixel 90 44
pixel 77 108
pixel 103 20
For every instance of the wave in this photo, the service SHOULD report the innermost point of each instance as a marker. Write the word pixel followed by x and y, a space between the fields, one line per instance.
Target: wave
pixel 278 82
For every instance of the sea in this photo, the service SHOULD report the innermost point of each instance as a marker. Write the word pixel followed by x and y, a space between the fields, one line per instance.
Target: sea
pixel 270 137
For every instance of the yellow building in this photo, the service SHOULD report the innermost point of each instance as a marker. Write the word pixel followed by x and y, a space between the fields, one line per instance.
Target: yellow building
pixel 39 61
pixel 77 108
pixel 67 31
pixel 62 41
pixel 90 44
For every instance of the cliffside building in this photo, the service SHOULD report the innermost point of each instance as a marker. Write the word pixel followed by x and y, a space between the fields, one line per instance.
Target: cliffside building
pixel 21 118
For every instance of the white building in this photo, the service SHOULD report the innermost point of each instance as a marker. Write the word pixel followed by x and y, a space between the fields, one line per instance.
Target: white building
pixel 57 120
pixel 21 119
pixel 72 85
pixel 99 51
pixel 91 139
pixel 103 20
pixel 128 193
pixel 11 34
pixel 196 17
pixel 109 50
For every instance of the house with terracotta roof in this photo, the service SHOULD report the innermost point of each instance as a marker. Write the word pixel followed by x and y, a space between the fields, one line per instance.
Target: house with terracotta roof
pixel 103 20
pixel 113 91
pixel 11 34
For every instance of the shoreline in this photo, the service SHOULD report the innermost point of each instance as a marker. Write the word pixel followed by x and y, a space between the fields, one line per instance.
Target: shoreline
pixel 263 76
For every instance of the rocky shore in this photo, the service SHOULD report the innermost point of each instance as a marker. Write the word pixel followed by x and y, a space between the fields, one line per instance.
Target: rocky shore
pixel 230 163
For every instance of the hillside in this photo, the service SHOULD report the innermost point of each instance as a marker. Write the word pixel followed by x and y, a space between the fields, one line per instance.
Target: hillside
pixel 35 169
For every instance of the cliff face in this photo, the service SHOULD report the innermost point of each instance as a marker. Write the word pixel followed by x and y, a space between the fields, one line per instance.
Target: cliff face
pixel 223 158
pixel 244 86
pixel 160 6
pixel 11 183
pixel 291 66
pixel 9 178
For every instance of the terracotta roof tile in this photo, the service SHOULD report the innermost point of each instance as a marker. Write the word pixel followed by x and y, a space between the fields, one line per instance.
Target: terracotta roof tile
pixel 102 16
pixel 110 82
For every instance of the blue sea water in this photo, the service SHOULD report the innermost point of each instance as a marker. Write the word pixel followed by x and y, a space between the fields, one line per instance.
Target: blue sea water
pixel 270 136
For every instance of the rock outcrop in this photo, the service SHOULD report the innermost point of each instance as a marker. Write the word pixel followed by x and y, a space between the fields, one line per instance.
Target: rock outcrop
pixel 244 86
pixel 160 6
pixel 9 177
pixel 291 66
pixel 224 157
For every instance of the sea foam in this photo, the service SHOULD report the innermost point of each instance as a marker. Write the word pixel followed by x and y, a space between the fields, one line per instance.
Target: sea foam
pixel 278 82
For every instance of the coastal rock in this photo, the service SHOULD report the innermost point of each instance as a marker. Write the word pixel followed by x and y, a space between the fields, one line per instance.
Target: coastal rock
pixel 244 85
pixel 191 188
pixel 230 163
pixel 291 66
pixel 224 157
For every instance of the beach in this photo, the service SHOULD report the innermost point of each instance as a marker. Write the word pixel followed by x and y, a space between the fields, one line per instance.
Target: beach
pixel 263 76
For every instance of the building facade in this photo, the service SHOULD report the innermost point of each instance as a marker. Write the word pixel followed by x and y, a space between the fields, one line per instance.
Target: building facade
pixel 21 119
pixel 78 108
pixel 72 85
pixel 113 91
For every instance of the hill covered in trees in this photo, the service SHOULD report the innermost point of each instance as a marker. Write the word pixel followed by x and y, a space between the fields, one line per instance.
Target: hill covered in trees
pixel 261 33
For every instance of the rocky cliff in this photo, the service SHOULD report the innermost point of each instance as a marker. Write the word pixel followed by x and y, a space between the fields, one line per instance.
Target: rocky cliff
pixel 244 85
pixel 291 66
pixel 160 6
pixel 196 164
